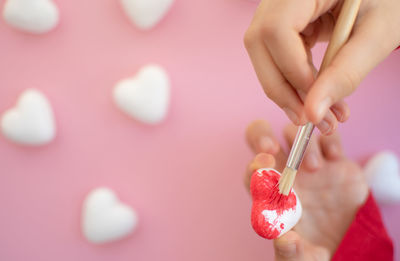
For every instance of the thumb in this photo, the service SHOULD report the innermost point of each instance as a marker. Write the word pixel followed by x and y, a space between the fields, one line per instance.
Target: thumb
pixel 289 247
pixel 356 58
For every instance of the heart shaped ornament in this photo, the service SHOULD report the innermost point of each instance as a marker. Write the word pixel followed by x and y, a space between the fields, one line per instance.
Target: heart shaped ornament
pixel 145 14
pixel 382 172
pixel 34 16
pixel 272 214
pixel 31 121
pixel 105 218
pixel 145 97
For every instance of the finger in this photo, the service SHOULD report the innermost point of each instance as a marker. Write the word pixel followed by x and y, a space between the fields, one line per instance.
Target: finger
pixel 289 247
pixel 341 111
pixel 329 123
pixel 280 30
pixel 262 160
pixel 262 139
pixel 320 30
pixel 274 84
pixel 364 50
pixel 288 52
pixel 331 146
pixel 312 160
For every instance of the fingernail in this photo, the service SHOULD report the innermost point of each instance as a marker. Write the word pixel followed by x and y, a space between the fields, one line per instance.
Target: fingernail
pixel 291 115
pixel 287 250
pixel 312 161
pixel 266 143
pixel 324 126
pixel 338 114
pixel 323 107
pixel 346 115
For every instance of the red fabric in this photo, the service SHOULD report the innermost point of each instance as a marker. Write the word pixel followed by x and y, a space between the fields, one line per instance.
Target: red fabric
pixel 366 239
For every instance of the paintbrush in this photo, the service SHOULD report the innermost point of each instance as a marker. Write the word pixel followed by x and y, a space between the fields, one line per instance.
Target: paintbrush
pixel 339 37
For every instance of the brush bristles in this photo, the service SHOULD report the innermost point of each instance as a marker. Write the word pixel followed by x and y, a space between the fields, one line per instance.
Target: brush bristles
pixel 286 181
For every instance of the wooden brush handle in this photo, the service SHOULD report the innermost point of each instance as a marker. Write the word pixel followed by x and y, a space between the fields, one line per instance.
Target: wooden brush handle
pixel 342 30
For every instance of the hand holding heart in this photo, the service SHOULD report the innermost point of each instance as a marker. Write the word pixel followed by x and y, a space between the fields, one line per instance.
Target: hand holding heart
pixel 330 193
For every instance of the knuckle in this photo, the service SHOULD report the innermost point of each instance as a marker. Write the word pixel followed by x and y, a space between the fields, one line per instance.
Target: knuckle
pixel 250 37
pixel 348 80
pixel 269 29
pixel 270 92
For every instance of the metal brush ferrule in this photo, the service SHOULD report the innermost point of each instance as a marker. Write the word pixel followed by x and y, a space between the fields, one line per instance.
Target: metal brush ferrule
pixel 300 145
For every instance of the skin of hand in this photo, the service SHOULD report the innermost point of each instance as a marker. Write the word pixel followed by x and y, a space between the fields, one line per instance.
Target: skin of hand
pixel 279 41
pixel 330 186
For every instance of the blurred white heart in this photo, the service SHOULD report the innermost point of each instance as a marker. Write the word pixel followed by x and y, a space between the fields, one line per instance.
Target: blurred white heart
pixel 145 96
pixel 145 14
pixel 31 121
pixel 382 172
pixel 105 218
pixel 34 16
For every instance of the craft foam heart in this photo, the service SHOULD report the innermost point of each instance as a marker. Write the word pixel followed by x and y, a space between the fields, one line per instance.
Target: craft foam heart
pixel 145 96
pixel 272 214
pixel 382 172
pixel 145 14
pixel 34 16
pixel 31 121
pixel 105 218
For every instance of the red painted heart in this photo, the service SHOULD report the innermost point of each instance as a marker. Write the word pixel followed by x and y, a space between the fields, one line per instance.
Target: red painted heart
pixel 272 214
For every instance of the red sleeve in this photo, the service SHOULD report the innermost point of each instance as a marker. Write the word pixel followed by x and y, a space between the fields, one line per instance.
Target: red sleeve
pixel 366 239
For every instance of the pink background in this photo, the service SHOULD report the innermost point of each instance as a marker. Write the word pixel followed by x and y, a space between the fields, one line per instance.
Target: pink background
pixel 183 177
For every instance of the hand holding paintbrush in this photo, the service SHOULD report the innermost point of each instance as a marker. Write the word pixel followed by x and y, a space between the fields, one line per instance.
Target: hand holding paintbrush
pixel 279 42
pixel 340 35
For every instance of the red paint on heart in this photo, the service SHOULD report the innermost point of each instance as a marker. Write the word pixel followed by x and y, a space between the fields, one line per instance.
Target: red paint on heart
pixel 266 196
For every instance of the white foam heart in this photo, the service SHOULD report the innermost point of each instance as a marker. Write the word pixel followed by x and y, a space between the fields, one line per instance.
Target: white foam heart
pixel 34 16
pixel 31 121
pixel 145 14
pixel 145 96
pixel 382 172
pixel 105 218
